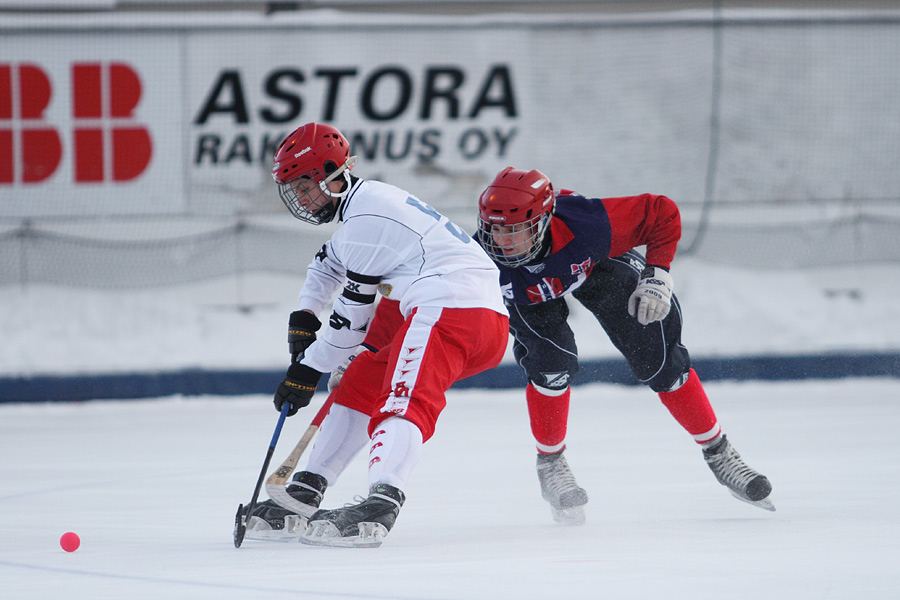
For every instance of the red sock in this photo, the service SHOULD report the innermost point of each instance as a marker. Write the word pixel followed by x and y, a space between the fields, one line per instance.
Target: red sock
pixel 549 417
pixel 690 407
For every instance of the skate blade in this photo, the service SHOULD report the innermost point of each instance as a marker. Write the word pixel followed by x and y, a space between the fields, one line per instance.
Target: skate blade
pixel 324 533
pixel 258 529
pixel 279 495
pixel 765 503
pixel 568 516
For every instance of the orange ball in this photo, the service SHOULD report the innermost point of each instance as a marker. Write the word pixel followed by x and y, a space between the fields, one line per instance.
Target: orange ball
pixel 70 541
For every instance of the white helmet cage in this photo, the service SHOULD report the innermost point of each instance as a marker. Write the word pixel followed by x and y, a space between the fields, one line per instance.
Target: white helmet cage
pixel 532 230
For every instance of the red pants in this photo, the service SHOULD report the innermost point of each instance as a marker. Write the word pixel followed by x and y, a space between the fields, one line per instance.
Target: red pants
pixel 418 360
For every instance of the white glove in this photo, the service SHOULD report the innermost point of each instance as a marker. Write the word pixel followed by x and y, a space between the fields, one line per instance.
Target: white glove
pixel 335 378
pixel 652 297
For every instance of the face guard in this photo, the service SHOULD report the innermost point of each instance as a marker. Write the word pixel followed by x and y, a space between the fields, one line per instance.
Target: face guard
pixel 308 198
pixel 513 215
pixel 307 160
pixel 513 245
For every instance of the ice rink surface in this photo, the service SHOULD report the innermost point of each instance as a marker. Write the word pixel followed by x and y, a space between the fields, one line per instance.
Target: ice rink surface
pixel 152 486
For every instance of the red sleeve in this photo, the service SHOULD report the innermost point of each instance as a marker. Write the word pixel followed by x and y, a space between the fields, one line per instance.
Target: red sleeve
pixel 645 219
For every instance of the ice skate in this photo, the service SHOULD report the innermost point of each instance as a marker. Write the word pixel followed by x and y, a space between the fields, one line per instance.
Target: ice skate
pixel 558 487
pixel 270 522
pixel 363 525
pixel 731 471
pixel 302 495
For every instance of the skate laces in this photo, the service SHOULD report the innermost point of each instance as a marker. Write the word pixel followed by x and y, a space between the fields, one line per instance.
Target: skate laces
pixel 730 469
pixel 357 500
pixel 556 477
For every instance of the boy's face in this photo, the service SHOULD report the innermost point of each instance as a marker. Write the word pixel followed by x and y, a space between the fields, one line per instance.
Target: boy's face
pixel 513 240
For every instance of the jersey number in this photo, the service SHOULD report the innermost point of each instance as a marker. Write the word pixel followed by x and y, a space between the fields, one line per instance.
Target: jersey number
pixel 454 230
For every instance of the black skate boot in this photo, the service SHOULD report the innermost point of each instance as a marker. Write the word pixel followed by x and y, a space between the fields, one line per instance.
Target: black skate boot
pixel 558 487
pixel 731 471
pixel 302 495
pixel 268 521
pixel 363 525
pixel 284 517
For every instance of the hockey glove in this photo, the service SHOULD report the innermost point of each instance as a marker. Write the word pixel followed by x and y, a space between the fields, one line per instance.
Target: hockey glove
pixel 302 328
pixel 335 378
pixel 298 387
pixel 652 298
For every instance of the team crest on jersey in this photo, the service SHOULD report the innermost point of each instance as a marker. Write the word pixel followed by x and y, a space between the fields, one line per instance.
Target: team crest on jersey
pixel 584 267
pixel 385 289
pixel 548 289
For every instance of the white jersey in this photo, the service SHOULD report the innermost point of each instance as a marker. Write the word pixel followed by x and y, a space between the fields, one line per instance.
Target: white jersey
pixel 392 242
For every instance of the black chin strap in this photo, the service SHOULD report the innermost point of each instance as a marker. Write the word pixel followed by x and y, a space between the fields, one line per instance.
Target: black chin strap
pixel 326 213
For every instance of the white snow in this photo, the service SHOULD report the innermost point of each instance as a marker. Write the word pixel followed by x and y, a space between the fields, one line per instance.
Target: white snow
pixel 728 311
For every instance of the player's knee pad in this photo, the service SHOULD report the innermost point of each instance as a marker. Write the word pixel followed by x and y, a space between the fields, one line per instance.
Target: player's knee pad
pixel 551 380
pixel 669 380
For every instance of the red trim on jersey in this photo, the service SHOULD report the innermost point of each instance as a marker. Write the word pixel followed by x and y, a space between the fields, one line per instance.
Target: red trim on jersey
pixel 648 220
pixel 560 235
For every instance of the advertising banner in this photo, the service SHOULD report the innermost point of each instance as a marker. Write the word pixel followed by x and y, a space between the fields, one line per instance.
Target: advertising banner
pixel 187 120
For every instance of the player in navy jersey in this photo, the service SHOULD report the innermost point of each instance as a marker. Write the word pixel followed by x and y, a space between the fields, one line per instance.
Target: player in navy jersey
pixel 552 244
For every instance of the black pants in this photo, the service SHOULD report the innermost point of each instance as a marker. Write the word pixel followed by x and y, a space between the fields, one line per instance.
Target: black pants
pixel 545 344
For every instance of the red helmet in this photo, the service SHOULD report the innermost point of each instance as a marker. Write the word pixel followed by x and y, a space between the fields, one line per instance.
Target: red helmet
pixel 513 214
pixel 314 152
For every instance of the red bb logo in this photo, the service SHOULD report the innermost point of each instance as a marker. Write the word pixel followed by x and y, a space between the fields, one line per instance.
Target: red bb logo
pixel 107 144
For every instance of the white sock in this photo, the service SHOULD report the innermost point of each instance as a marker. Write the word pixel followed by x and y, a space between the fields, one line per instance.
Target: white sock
pixel 343 433
pixel 395 451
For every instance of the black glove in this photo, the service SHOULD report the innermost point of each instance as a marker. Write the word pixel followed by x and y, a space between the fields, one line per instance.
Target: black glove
pixel 297 389
pixel 302 328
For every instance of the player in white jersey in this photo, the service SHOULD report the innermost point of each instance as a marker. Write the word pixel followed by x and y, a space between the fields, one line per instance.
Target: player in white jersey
pixel 441 319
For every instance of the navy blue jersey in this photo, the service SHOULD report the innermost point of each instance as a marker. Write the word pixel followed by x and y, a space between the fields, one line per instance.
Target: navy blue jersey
pixel 581 236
